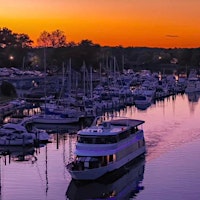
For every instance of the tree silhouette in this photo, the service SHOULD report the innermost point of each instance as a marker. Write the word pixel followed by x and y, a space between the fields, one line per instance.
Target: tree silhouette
pixel 54 39
pixel 58 39
pixel 10 39
pixel 23 40
pixel 7 38
pixel 7 89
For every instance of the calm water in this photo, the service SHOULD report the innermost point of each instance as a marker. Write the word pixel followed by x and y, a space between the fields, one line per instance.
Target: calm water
pixel 170 170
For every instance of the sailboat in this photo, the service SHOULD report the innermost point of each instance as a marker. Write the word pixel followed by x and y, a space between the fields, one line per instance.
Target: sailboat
pixel 57 118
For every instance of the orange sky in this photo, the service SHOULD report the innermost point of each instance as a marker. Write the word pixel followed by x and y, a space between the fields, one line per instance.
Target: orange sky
pixel 152 23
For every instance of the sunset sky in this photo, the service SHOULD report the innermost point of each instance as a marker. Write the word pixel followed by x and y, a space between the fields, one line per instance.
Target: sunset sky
pixel 152 23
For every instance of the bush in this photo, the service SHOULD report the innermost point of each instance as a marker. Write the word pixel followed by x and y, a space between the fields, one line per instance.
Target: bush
pixel 7 89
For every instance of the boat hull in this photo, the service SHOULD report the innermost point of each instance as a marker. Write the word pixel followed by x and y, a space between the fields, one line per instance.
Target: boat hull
pixel 54 120
pixel 122 182
pixel 93 174
pixel 15 142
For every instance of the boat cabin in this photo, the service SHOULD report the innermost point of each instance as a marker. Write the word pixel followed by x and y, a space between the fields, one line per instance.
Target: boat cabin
pixel 108 132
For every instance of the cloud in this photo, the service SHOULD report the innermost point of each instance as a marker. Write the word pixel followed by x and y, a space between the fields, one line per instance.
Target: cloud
pixel 172 36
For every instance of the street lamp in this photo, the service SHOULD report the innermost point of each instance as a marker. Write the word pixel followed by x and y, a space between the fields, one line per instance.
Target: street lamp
pixel 11 58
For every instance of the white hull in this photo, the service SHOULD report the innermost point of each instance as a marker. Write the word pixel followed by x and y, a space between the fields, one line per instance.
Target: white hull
pixel 54 119
pixel 123 182
pixel 93 174
pixel 106 147
pixel 21 130
pixel 143 102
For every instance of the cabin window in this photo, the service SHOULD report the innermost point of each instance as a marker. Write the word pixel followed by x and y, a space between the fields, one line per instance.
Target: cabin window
pixel 97 140
pixel 110 158
pixel 134 129
pixel 88 140
pixel 103 160
pixel 114 157
pixel 123 135
pixel 106 124
pixel 112 139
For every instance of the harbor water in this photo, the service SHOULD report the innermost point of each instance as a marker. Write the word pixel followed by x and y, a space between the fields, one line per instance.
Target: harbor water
pixel 169 170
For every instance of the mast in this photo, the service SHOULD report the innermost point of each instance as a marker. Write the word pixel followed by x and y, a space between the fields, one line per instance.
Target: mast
pixel 45 89
pixel 122 63
pixel 100 72
pixel 91 86
pixel 46 170
pixel 69 78
pixel 63 82
pixel 84 79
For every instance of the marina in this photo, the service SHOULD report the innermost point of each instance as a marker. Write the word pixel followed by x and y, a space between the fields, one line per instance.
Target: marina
pixel 99 100
pixel 61 134
pixel 42 171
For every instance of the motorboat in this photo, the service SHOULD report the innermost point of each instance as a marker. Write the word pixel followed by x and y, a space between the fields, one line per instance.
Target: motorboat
pixel 105 146
pixel 22 129
pixel 57 119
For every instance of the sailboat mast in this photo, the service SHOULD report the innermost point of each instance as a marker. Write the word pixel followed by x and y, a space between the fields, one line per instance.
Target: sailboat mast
pixel 84 92
pixel 91 88
pixel 45 89
pixel 69 77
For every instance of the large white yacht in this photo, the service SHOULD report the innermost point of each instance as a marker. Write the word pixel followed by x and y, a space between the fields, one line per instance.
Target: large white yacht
pixel 120 185
pixel 106 146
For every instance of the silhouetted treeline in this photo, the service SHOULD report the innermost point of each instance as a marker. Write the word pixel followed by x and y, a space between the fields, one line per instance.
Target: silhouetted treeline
pixel 16 50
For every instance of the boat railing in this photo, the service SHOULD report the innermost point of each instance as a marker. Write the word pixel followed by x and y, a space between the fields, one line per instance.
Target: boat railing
pixel 97 120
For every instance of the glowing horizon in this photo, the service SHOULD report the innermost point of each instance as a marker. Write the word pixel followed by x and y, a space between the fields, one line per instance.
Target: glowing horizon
pixel 155 23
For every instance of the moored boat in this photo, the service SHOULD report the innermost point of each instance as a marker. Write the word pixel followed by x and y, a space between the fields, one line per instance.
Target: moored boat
pixel 22 130
pixel 122 184
pixel 106 146
pixel 54 119
pixel 16 140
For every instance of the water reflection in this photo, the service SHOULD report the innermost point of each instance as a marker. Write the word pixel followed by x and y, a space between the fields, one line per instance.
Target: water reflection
pixel 18 153
pixel 124 184
pixel 193 98
pixel 40 173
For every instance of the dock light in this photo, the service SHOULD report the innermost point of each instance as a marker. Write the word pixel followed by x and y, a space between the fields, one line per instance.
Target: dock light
pixel 11 58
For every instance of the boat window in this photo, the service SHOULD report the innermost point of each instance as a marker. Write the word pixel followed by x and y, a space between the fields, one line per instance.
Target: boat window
pixel 88 140
pixel 134 129
pixel 123 135
pixel 82 159
pixel 112 139
pixel 106 124
pixel 97 139
pixel 110 158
